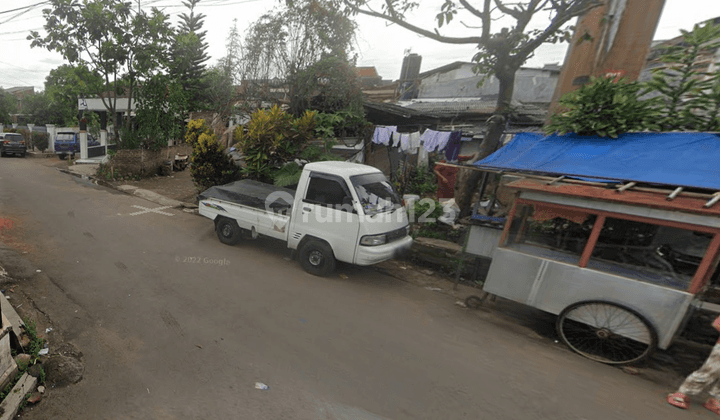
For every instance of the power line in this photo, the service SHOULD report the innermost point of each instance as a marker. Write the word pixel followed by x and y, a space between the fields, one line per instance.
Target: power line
pixel 24 7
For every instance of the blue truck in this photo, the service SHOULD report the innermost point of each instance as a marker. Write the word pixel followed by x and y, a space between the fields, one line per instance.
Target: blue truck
pixel 68 143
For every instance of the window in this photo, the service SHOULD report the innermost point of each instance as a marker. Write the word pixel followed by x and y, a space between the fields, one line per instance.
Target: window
pixel 550 232
pixel 658 254
pixel 327 192
pixel 13 137
pixel 375 193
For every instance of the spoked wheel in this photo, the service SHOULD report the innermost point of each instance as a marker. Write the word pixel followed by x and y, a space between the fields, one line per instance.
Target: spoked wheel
pixel 317 258
pixel 228 231
pixel 606 332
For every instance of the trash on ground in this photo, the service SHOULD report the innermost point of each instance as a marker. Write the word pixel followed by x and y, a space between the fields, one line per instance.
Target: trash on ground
pixel 198 346
pixel 630 370
pixel 260 385
pixel 41 389
pixel 433 289
pixel 47 330
pixel 43 352
pixel 343 276
pixel 7 297
pixel 461 304
pixel 38 271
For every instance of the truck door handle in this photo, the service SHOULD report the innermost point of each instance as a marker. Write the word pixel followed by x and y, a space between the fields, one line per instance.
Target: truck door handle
pixel 308 209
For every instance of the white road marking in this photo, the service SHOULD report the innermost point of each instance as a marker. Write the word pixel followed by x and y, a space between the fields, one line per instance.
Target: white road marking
pixel 155 210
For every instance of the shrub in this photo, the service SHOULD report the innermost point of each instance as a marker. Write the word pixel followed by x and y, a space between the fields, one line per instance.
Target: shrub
pixel 604 108
pixel 40 140
pixel 210 165
pixel 416 180
pixel 194 129
pixel 271 139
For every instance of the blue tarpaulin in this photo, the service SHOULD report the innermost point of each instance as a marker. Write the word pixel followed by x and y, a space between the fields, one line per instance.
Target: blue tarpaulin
pixel 676 159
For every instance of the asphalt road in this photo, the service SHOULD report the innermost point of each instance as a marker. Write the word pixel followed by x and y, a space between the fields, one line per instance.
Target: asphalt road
pixel 175 325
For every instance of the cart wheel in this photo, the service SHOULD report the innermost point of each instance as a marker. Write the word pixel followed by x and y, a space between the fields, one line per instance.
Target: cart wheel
pixel 475 302
pixel 228 231
pixel 606 332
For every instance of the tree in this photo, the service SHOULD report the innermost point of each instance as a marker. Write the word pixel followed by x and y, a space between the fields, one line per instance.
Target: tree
pixel 288 40
pixel 500 53
pixel 8 105
pixel 329 85
pixel 38 109
pixel 108 38
pixel 189 53
pixel 161 101
pixel 689 98
pixel 64 85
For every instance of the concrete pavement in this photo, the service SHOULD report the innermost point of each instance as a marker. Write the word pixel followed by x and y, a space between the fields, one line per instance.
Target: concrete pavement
pixel 173 324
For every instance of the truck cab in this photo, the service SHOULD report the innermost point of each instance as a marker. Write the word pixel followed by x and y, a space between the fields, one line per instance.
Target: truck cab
pixel 339 211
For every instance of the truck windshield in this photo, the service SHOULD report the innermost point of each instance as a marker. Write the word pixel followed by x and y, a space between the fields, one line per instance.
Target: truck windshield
pixel 65 137
pixel 375 193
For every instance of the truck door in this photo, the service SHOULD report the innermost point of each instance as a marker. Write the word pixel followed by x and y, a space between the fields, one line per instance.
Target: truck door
pixel 328 213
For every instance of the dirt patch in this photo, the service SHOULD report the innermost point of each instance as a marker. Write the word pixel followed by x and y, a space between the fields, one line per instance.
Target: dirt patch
pixel 178 186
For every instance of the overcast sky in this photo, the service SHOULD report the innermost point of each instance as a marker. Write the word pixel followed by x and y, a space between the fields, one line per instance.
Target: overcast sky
pixel 379 45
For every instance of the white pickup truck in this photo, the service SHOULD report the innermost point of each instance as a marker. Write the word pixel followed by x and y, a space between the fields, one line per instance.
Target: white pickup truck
pixel 339 211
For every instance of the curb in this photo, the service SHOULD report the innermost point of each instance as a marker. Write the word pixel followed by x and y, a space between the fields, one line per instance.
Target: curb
pixel 139 192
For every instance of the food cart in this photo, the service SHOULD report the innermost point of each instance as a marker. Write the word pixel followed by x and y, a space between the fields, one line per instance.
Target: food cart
pixel 621 262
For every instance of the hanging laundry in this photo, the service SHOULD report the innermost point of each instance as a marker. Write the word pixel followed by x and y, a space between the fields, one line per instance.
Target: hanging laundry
pixel 414 142
pixel 452 150
pixel 404 142
pixel 396 139
pixel 383 134
pixel 443 139
pixel 435 140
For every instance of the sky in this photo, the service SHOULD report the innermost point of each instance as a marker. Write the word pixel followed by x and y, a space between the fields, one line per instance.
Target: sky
pixel 378 44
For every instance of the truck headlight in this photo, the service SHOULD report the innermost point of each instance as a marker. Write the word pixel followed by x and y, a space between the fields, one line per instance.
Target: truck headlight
pixel 373 240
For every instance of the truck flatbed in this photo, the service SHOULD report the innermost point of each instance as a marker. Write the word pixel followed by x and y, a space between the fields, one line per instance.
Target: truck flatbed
pixel 252 194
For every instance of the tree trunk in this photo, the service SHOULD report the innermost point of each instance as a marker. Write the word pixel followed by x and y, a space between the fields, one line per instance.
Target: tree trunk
pixel 467 179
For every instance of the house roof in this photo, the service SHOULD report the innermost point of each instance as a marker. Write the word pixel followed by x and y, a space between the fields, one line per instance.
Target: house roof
pixel 367 71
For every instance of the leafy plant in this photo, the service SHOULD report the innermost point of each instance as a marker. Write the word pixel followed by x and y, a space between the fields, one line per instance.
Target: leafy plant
pixel 271 139
pixel 40 140
pixel 418 180
pixel 689 98
pixel 210 165
pixel 288 175
pixel 194 129
pixel 604 108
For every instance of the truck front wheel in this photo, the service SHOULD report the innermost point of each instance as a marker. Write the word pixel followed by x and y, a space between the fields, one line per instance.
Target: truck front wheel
pixel 317 258
pixel 228 231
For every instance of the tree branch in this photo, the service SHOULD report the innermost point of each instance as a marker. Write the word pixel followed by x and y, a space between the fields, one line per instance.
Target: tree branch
pixel 428 34
pixel 508 11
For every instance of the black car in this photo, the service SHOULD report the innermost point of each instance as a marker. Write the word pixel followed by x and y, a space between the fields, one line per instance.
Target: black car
pixel 12 143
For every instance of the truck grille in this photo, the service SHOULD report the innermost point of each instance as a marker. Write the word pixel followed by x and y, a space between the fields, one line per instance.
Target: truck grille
pixel 396 234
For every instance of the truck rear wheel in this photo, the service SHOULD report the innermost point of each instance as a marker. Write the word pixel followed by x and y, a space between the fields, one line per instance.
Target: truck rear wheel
pixel 228 231
pixel 317 258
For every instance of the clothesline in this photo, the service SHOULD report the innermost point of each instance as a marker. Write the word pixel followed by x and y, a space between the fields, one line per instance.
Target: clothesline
pixel 430 140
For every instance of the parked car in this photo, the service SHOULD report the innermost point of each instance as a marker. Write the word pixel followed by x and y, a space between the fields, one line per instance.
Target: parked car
pixel 339 211
pixel 68 143
pixel 12 143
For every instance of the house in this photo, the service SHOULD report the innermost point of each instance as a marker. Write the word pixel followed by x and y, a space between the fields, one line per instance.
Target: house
pixel 368 77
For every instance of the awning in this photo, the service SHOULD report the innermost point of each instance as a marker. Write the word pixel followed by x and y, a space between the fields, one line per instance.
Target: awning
pixel 676 159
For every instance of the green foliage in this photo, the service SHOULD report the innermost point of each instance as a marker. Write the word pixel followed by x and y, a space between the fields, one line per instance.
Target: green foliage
pixel 271 139
pixel 161 102
pixel 108 38
pixel 289 174
pixel 189 54
pixel 63 86
pixel 40 140
pixel 347 122
pixel 418 180
pixel 604 108
pixel 36 343
pixel 689 99
pixel 330 85
pixel 8 105
pixel 210 165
